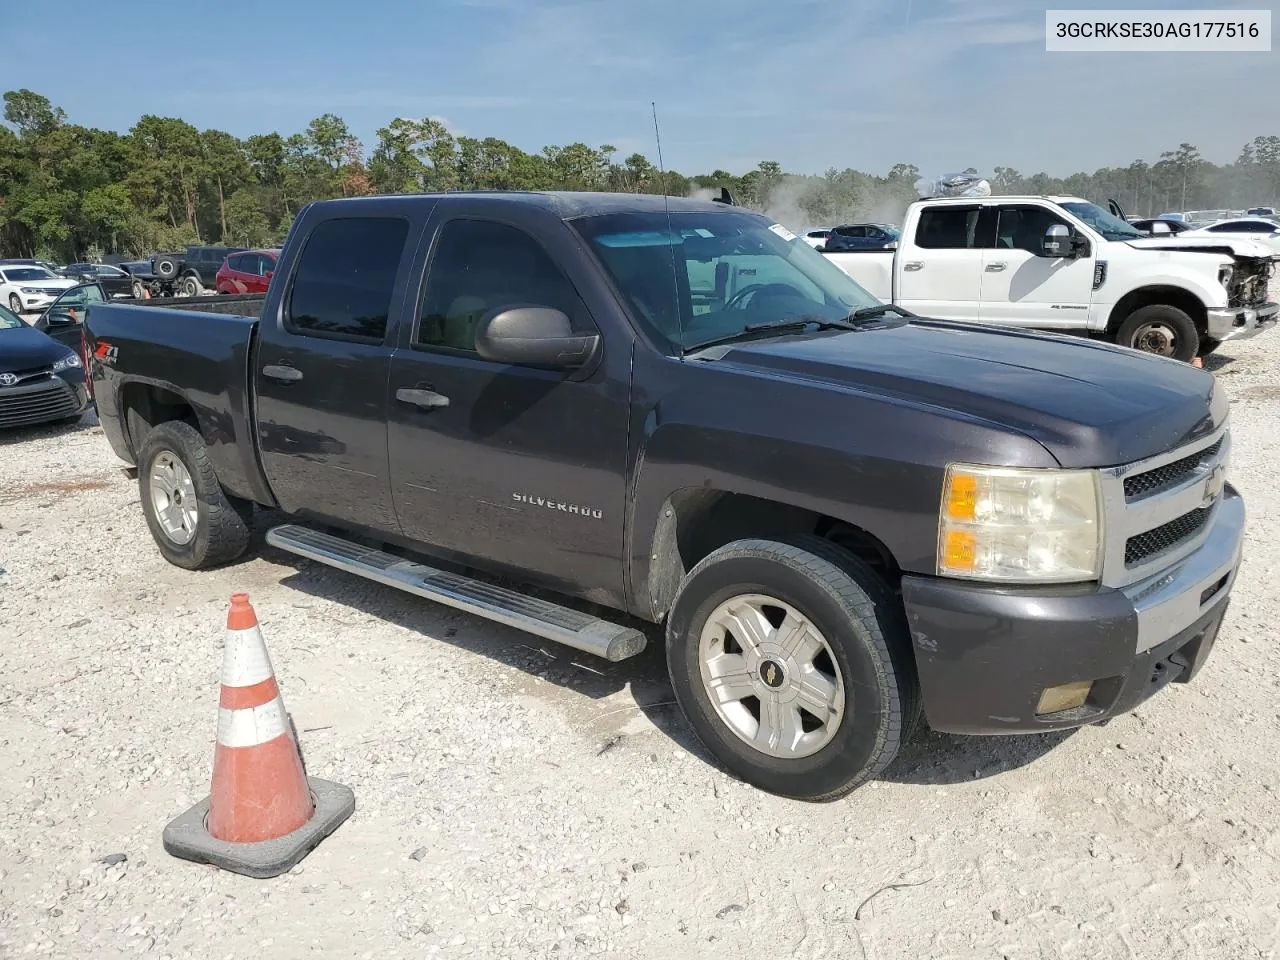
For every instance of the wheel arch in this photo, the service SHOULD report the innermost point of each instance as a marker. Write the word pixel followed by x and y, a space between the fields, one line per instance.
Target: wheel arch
pixel 1159 294
pixel 694 522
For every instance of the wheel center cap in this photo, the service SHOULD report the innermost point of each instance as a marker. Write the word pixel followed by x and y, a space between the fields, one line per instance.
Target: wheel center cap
pixel 772 674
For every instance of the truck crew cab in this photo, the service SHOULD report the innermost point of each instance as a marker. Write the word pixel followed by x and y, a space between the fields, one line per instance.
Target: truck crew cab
pixel 842 517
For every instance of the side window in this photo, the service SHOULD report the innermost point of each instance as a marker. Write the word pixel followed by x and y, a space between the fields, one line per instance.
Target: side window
pixel 236 264
pixel 479 265
pixel 345 278
pixel 265 265
pixel 948 228
pixel 1023 228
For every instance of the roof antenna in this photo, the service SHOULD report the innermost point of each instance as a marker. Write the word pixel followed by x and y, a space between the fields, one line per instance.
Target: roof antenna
pixel 671 233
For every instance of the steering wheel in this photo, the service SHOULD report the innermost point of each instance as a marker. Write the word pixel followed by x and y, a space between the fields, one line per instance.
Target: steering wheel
pixel 781 289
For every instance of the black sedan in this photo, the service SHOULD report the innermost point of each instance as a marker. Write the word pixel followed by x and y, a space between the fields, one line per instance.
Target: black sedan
pixel 116 282
pixel 41 380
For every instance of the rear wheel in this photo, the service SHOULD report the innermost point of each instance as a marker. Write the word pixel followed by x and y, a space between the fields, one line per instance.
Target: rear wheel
pixel 1160 329
pixel 194 522
pixel 138 290
pixel 782 657
pixel 190 286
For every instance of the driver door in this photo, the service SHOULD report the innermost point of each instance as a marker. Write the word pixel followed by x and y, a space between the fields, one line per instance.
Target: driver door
pixel 1022 288
pixel 515 467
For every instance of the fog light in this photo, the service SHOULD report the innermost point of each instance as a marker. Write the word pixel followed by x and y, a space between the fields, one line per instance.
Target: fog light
pixel 1066 697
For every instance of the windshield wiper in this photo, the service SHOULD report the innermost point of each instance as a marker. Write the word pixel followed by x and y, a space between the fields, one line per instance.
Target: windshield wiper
pixel 753 331
pixel 874 313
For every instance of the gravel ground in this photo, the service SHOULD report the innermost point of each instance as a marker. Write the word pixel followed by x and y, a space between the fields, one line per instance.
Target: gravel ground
pixel 517 800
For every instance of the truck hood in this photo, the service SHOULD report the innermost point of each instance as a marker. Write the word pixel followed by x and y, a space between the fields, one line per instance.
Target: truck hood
pixel 1089 404
pixel 1224 245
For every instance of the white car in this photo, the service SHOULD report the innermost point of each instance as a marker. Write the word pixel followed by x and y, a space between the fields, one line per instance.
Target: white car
pixel 25 288
pixel 1265 231
pixel 816 238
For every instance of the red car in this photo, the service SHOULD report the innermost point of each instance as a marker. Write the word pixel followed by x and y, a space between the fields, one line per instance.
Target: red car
pixel 248 272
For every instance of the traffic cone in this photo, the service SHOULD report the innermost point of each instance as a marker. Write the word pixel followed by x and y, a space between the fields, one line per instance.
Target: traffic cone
pixel 263 813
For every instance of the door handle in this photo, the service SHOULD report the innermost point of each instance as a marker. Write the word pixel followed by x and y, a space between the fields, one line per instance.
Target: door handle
pixel 913 266
pixel 995 267
pixel 282 373
pixel 426 398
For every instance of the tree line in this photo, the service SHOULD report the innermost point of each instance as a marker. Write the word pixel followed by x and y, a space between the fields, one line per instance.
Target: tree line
pixel 70 192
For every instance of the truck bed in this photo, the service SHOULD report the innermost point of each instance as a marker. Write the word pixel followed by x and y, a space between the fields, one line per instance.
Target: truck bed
pixel 182 350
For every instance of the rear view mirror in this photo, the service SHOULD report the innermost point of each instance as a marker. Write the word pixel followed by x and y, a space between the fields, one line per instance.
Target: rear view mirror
pixel 1057 241
pixel 61 319
pixel 533 336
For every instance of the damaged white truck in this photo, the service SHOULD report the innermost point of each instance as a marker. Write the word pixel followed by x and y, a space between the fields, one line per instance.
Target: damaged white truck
pixel 1063 263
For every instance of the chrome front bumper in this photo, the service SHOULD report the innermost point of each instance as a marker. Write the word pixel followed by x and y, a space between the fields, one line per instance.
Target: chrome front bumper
pixel 1173 599
pixel 1226 323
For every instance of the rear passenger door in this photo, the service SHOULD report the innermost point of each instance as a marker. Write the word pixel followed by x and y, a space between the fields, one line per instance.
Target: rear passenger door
pixel 321 371
pixel 940 273
pixel 509 466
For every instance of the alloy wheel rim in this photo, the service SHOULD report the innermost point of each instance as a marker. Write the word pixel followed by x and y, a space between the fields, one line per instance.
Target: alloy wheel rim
pixel 173 495
pixel 771 676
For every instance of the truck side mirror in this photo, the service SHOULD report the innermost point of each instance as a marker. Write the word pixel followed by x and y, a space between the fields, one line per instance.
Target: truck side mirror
pixel 533 336
pixel 1161 229
pixel 1057 242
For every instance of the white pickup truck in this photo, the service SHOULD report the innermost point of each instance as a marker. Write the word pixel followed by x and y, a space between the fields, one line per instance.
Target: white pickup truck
pixel 1062 263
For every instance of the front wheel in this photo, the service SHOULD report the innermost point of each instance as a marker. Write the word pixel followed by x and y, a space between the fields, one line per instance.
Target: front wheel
pixel 15 303
pixel 782 658
pixel 194 522
pixel 1160 329
pixel 137 290
pixel 190 287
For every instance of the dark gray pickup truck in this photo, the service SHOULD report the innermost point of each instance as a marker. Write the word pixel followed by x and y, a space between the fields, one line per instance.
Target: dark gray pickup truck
pixel 844 515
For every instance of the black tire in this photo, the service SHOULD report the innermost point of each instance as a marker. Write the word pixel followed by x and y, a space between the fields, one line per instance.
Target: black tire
pixel 15 303
pixel 223 523
pixel 864 627
pixel 166 268
pixel 190 286
pixel 1160 329
pixel 137 290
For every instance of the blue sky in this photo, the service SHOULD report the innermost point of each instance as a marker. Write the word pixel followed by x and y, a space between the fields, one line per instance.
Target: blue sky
pixel 944 84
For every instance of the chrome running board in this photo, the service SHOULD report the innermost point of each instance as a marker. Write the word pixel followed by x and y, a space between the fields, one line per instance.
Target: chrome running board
pixel 541 618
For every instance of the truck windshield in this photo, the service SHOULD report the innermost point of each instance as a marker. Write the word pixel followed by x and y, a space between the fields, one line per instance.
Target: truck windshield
pixel 705 276
pixel 1111 227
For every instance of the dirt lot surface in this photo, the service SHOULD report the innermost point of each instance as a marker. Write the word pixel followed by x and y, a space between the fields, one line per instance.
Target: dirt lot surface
pixel 517 800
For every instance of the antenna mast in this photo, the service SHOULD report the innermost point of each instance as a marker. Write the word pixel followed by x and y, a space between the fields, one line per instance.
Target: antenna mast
pixel 662 171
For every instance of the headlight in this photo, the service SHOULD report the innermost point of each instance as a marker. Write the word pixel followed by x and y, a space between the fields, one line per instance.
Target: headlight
pixel 68 362
pixel 1021 525
pixel 30 290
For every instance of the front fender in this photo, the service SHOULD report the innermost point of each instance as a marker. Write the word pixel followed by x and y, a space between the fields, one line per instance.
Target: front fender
pixel 875 462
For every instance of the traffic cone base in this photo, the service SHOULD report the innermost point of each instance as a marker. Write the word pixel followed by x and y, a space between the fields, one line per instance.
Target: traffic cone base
pixel 187 836
pixel 263 813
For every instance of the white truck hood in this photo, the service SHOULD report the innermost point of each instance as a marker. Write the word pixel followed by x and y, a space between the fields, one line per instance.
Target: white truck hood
pixel 1237 247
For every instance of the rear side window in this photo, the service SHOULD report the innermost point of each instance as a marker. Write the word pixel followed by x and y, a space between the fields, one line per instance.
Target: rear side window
pixel 948 228
pixel 345 278
pixel 236 264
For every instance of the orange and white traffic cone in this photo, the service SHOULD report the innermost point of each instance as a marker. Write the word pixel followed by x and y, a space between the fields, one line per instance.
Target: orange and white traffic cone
pixel 263 813
pixel 259 786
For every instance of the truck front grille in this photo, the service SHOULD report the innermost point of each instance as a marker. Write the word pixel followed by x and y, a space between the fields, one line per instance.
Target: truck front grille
pixel 1170 475
pixel 1145 546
